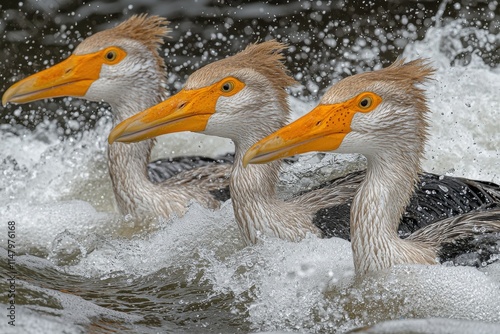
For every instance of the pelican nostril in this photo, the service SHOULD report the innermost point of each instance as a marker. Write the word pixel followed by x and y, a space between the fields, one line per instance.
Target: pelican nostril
pixel 67 71
pixel 181 105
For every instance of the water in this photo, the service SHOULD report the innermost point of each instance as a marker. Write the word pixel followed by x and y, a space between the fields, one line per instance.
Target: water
pixel 81 267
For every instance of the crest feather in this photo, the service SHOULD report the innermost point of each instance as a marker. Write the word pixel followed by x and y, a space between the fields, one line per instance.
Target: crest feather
pixel 148 30
pixel 264 58
pixel 401 74
pixel 415 71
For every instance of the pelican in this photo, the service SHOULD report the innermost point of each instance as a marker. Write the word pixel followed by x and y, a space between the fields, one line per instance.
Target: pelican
pixel 122 66
pixel 382 115
pixel 243 98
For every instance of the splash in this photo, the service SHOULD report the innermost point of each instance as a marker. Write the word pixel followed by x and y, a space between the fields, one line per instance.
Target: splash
pixel 464 102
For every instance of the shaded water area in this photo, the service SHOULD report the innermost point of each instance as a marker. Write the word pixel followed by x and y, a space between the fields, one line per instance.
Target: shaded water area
pixel 81 267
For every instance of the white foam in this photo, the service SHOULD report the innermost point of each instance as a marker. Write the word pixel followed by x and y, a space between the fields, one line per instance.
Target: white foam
pixel 465 105
pixel 432 325
pixel 176 243
pixel 40 168
pixel 310 285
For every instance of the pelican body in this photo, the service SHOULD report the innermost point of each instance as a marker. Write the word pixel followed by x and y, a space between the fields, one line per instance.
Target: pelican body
pixel 122 67
pixel 382 115
pixel 243 98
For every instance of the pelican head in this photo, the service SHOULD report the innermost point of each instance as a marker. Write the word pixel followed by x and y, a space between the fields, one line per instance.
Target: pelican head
pixel 228 98
pixel 106 66
pixel 368 113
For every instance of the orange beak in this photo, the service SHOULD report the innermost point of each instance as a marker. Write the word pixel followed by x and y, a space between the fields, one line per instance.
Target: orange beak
pixel 322 129
pixel 71 77
pixel 188 110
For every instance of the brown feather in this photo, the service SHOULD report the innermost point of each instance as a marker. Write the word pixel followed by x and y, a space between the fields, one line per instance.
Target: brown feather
pixel 265 58
pixel 150 31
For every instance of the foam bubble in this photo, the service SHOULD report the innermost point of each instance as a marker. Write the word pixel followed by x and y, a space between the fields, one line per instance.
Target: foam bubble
pixel 464 101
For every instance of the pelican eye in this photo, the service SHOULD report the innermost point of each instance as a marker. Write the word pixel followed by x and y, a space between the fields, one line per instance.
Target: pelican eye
pixel 111 55
pixel 227 86
pixel 365 102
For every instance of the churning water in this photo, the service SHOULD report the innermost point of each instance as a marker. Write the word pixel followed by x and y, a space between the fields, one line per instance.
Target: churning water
pixel 81 267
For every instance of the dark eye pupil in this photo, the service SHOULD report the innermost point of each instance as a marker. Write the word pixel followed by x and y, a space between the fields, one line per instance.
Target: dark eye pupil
pixel 226 87
pixel 364 103
pixel 110 55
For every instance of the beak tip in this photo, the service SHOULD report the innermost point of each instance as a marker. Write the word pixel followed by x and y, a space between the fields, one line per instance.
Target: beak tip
pixel 118 133
pixel 247 159
pixel 111 139
pixel 5 98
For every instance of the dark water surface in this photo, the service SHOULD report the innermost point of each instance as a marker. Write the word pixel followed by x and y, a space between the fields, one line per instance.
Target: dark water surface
pixel 172 281
pixel 328 39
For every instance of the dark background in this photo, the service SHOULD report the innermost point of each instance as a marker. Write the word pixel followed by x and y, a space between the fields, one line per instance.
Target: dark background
pixel 329 40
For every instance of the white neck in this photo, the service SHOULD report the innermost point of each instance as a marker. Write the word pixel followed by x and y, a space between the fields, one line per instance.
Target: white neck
pixel 253 191
pixel 378 206
pixel 127 163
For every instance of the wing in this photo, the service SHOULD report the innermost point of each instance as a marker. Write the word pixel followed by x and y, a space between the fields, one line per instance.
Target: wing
pixel 469 239
pixel 162 169
pixel 436 197
pixel 212 177
pixel 439 197
pixel 331 202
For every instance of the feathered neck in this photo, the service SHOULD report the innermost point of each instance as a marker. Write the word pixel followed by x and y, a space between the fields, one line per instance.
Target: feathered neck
pixel 127 163
pixel 253 188
pixel 257 181
pixel 379 203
